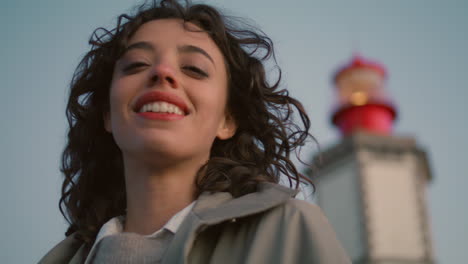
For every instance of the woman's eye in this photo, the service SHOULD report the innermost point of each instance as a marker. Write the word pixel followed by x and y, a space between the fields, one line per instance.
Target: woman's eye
pixel 134 66
pixel 195 70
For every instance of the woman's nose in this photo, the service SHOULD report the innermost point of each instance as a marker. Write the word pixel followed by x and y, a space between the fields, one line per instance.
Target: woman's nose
pixel 164 74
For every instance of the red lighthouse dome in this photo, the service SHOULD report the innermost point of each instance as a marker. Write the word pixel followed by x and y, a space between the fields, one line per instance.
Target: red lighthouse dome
pixel 362 103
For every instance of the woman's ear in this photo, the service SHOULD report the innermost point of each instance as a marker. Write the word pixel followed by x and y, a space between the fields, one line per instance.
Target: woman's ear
pixel 107 122
pixel 227 128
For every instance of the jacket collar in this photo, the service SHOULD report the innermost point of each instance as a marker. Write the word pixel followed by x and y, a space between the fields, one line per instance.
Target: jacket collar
pixel 219 207
pixel 211 209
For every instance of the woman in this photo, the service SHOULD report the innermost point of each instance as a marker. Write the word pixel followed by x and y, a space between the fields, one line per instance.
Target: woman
pixel 176 145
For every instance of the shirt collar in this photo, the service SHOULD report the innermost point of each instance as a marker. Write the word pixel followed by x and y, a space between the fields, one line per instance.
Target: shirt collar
pixel 177 219
pixel 116 224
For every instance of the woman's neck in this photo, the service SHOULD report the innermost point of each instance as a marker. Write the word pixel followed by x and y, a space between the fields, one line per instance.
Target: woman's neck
pixel 154 195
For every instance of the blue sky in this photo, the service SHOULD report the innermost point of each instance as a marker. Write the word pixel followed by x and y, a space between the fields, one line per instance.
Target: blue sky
pixel 421 42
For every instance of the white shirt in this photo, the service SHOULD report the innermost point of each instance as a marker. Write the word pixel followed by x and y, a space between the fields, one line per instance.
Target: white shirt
pixel 116 225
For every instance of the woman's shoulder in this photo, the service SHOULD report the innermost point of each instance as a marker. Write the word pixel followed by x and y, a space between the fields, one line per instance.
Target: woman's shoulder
pixel 303 228
pixel 292 231
pixel 306 209
pixel 288 205
pixel 296 210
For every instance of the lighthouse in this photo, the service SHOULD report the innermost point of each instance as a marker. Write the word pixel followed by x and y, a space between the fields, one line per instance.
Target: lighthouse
pixel 372 183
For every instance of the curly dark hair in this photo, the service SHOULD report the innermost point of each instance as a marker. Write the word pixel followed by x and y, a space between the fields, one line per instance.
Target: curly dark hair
pixel 93 190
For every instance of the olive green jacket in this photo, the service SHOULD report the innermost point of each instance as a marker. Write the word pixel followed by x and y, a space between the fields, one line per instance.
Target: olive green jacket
pixel 268 226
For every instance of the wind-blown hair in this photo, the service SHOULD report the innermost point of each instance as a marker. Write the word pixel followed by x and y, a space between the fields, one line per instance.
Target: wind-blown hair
pixel 93 190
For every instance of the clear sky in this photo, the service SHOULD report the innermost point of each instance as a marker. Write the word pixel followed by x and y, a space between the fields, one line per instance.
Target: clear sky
pixel 421 42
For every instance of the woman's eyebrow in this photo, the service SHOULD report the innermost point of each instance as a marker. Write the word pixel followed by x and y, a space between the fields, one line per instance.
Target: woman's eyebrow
pixel 182 49
pixel 195 49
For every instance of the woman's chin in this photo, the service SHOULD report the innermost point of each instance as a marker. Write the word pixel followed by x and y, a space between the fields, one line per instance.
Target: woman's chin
pixel 164 155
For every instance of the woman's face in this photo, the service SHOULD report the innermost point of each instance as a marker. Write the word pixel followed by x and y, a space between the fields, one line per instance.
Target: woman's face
pixel 168 94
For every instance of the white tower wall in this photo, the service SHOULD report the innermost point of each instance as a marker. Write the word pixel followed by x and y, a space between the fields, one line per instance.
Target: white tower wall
pixel 341 202
pixel 372 189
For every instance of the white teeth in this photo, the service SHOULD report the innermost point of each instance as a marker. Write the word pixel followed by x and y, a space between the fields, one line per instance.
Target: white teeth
pixel 161 107
pixel 172 109
pixel 155 107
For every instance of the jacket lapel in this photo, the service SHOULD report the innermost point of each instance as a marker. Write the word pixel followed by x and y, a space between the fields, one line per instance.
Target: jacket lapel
pixel 80 256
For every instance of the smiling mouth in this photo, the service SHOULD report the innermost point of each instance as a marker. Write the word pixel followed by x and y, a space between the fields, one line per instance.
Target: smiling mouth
pixel 161 107
pixel 160 103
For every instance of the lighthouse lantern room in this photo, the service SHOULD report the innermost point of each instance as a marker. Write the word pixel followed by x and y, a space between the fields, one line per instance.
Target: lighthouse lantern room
pixel 362 103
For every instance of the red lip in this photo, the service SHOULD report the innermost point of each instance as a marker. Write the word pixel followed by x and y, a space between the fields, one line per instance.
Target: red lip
pixel 159 96
pixel 160 116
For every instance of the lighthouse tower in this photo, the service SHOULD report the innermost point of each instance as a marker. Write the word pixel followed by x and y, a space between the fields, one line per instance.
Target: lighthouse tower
pixel 372 184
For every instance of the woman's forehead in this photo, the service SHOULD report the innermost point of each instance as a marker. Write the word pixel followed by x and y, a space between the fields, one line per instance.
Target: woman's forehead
pixel 161 30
